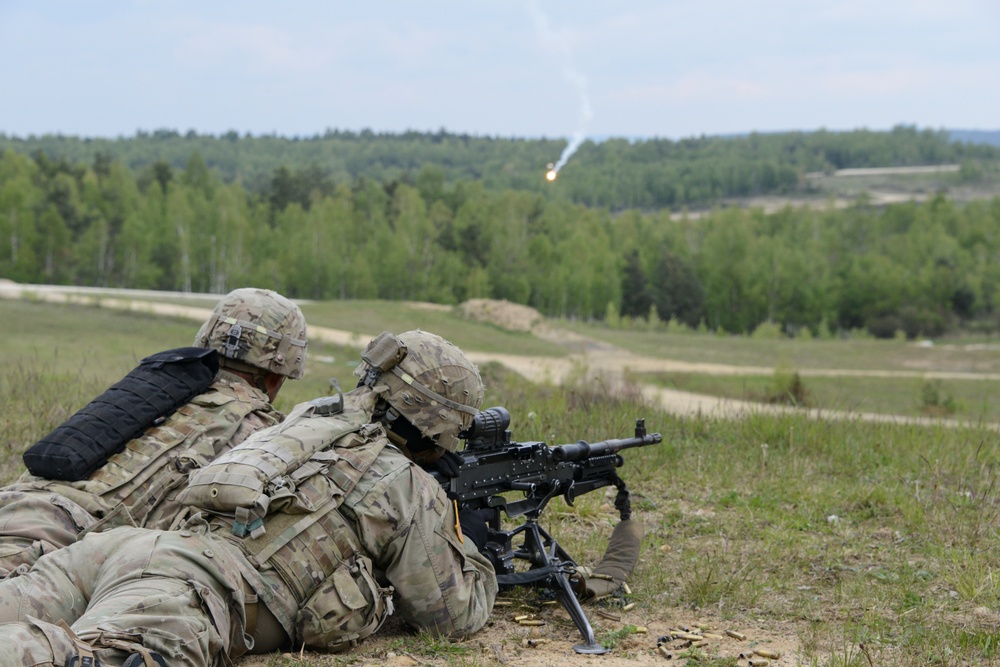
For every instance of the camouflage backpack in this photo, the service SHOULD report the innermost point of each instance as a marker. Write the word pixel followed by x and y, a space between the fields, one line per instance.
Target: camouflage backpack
pixel 262 474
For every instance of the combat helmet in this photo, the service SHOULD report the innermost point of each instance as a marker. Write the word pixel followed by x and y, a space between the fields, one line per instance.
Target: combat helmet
pixel 259 329
pixel 427 380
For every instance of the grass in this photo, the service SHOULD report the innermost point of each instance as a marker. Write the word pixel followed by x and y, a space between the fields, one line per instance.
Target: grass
pixel 368 317
pixel 96 347
pixel 875 543
pixel 372 317
pixel 977 355
pixel 972 400
pixel 853 186
pixel 874 534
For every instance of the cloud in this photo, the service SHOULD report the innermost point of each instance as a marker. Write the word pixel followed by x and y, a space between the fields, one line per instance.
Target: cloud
pixel 259 47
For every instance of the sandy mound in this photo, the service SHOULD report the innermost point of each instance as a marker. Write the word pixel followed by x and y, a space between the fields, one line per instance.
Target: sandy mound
pixel 503 313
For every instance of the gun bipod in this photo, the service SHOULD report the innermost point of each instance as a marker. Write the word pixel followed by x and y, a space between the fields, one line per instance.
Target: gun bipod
pixel 550 568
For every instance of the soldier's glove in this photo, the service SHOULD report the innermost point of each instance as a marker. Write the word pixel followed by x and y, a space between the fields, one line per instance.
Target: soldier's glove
pixel 619 560
pixel 474 526
pixel 447 464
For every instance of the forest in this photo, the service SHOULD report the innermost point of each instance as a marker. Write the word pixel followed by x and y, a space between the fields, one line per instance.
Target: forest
pixel 919 269
pixel 617 174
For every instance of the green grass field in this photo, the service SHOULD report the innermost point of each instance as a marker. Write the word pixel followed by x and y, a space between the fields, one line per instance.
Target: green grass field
pixel 373 317
pixel 972 355
pixel 866 544
pixel 971 400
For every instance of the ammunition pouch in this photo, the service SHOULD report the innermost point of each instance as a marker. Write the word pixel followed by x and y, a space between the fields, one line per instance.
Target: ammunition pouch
pixel 345 609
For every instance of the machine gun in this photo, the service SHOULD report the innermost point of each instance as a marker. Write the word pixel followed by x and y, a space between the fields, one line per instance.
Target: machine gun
pixel 492 465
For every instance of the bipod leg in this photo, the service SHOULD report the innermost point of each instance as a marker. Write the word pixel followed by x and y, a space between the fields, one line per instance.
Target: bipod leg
pixel 559 584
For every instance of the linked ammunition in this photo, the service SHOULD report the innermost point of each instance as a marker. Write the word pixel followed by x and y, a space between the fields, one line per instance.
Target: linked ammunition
pixel 736 635
pixel 767 653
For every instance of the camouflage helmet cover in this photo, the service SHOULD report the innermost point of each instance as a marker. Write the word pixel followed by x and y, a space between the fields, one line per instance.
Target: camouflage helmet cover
pixel 427 380
pixel 260 328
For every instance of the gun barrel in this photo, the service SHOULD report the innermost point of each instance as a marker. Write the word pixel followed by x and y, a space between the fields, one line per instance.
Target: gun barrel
pixel 582 450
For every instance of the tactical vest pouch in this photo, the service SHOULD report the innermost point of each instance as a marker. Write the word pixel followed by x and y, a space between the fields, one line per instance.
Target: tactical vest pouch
pixel 266 466
pixel 346 608
pixel 153 390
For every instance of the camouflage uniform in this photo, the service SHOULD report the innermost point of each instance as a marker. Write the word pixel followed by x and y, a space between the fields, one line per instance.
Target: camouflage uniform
pixel 138 485
pixel 257 332
pixel 348 529
pixel 180 593
pixel 176 593
pixel 379 524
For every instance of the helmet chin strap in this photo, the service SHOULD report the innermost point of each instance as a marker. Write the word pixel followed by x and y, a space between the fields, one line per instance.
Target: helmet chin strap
pixel 409 440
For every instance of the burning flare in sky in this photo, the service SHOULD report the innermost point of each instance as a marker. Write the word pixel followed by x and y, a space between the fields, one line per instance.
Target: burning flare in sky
pixel 560 43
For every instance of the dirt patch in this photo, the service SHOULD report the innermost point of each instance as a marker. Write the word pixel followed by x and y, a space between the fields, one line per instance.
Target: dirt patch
pixel 424 305
pixel 502 313
pixel 505 642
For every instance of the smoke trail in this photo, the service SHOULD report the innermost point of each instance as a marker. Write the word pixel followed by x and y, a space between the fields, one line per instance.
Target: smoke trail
pixel 561 45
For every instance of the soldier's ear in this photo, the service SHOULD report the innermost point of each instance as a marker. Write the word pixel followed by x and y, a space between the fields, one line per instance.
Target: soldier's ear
pixel 272 385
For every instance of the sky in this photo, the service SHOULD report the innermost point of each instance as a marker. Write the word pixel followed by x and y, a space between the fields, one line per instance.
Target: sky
pixel 511 68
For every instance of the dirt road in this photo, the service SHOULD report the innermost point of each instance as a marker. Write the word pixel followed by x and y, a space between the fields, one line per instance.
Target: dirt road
pixel 606 362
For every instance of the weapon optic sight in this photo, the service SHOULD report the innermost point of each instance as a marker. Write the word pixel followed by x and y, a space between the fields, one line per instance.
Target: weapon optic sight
pixel 488 429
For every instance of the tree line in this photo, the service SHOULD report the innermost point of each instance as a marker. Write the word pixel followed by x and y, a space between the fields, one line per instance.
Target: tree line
pixel 618 174
pixel 921 268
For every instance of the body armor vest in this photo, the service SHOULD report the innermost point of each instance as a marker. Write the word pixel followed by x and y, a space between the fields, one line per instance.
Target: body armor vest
pixel 264 472
pixel 298 474
pixel 138 477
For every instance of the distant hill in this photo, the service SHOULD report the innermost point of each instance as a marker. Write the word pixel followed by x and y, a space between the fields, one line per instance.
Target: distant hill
pixel 988 137
pixel 617 174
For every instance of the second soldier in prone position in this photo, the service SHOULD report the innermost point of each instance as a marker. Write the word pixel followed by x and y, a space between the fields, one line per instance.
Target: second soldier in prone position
pixel 314 531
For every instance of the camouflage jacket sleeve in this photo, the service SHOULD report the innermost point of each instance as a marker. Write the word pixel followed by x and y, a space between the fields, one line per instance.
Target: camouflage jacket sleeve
pixel 405 521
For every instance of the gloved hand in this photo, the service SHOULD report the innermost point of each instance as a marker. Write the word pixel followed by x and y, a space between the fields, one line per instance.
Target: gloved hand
pixel 447 464
pixel 619 560
pixel 474 526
